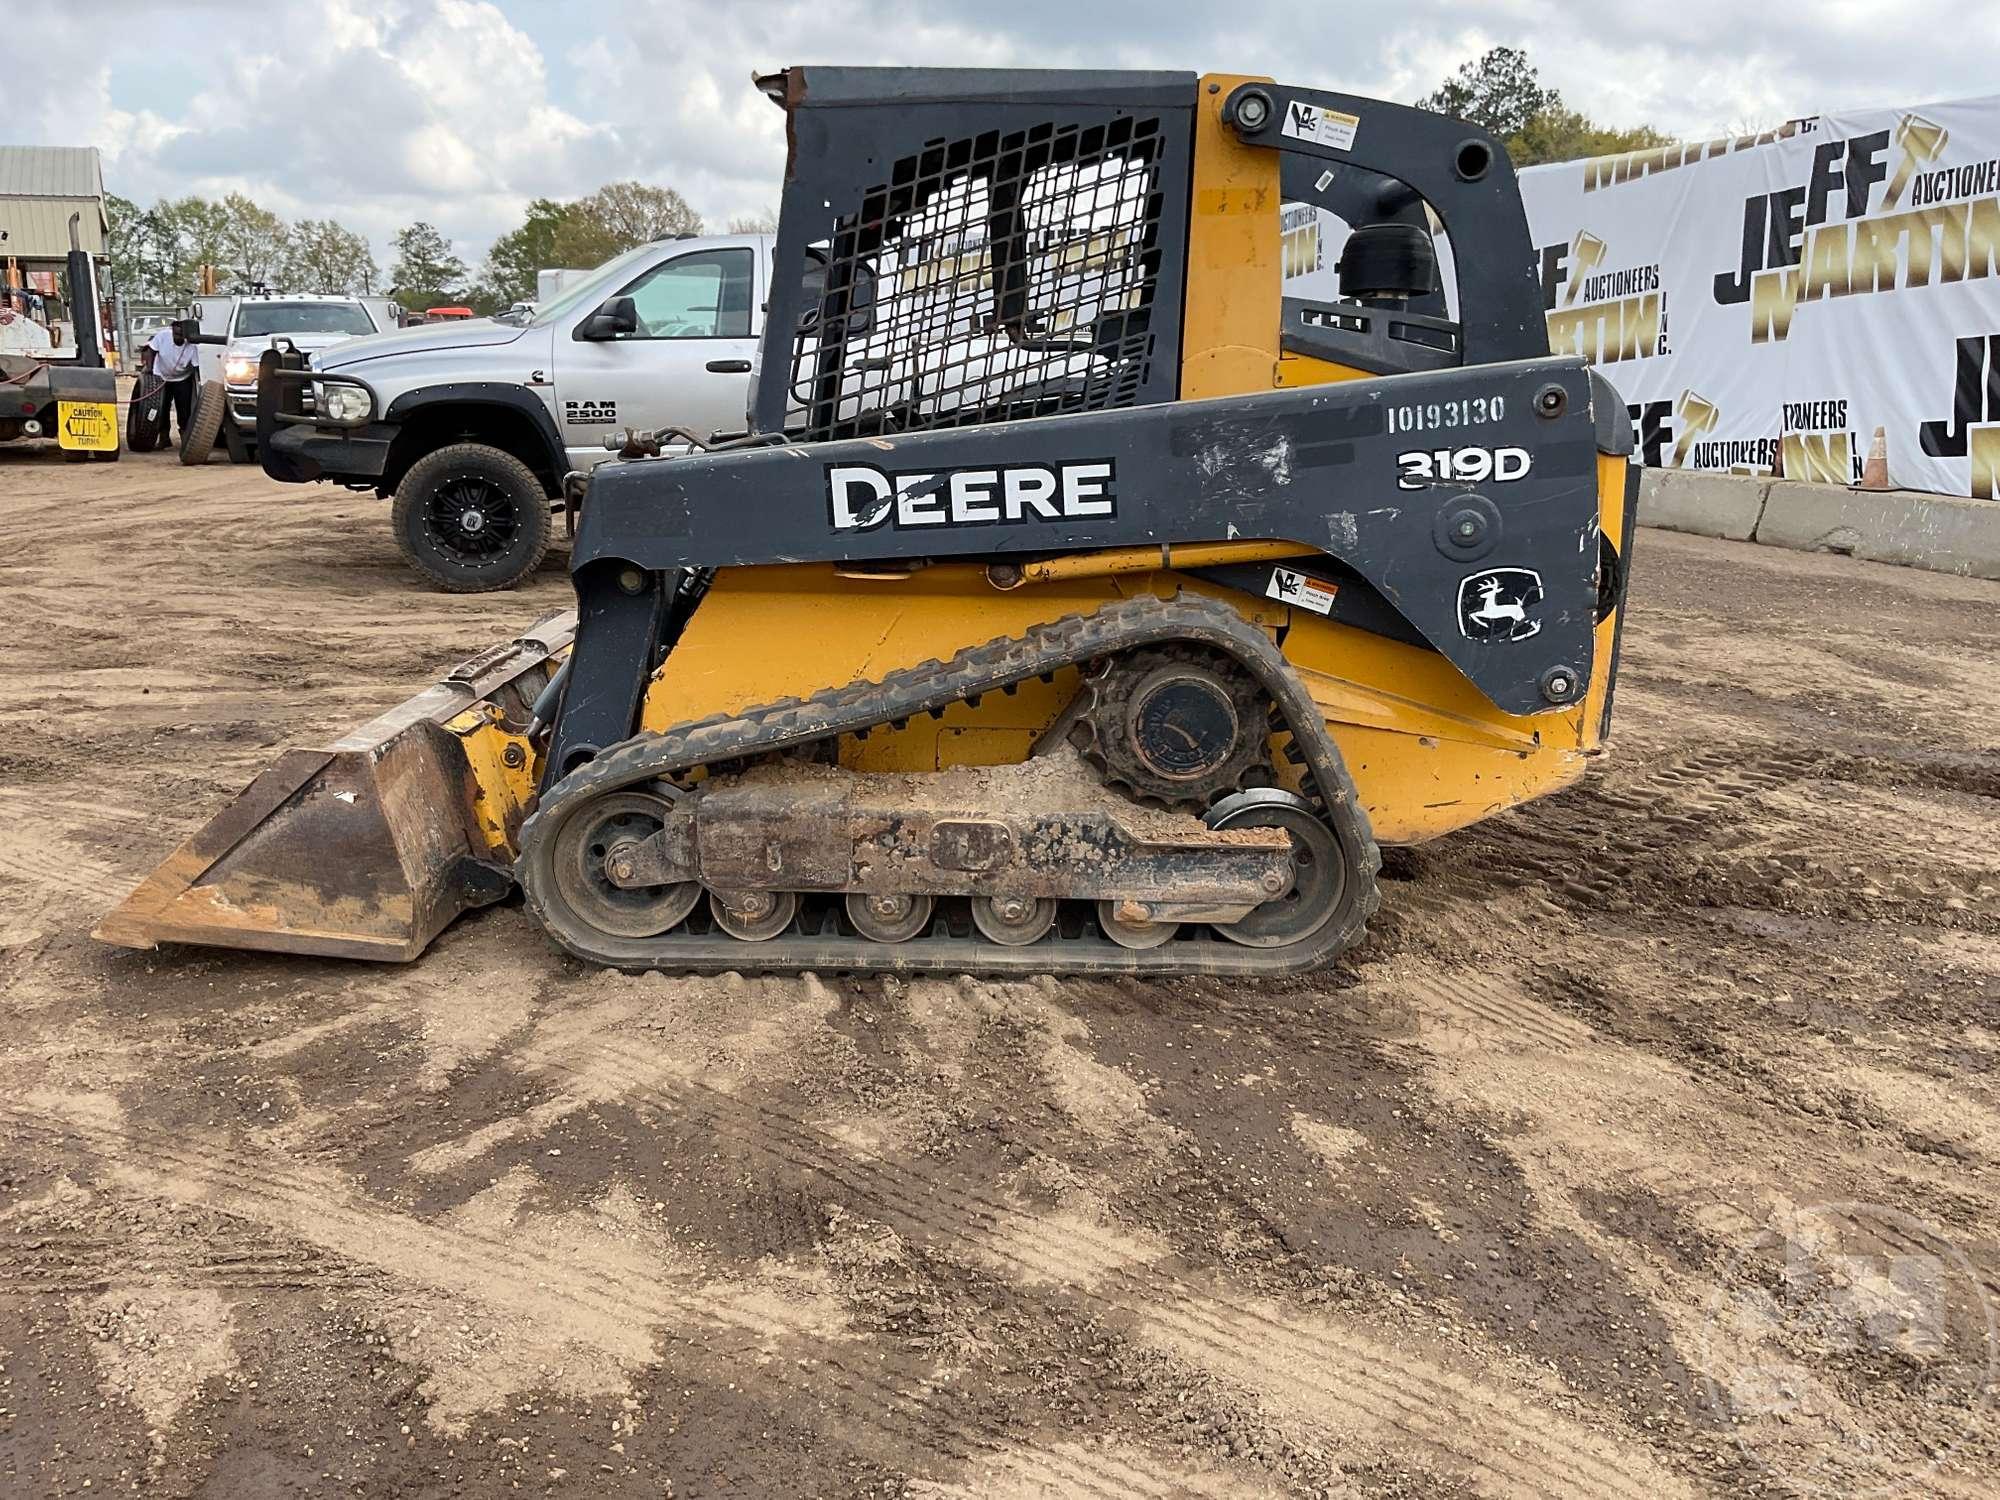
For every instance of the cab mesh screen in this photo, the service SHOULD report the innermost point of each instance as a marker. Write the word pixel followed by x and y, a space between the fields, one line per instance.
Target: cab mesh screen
pixel 1009 274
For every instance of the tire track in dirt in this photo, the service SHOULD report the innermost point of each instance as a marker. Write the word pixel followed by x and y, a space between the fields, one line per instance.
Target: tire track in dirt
pixel 57 859
pixel 1609 844
pixel 59 1262
pixel 1495 1010
pixel 1051 1473
pixel 1889 1238
pixel 1683 1171
pixel 1506 1017
pixel 1406 1397
pixel 1393 1393
pixel 491 1270
pixel 319 1210
pixel 1413 1397
pixel 1963 1396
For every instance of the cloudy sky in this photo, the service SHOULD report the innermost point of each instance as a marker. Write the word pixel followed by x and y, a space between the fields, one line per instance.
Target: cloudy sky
pixel 377 112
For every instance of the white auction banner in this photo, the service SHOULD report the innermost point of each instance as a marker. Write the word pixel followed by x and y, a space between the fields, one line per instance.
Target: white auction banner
pixel 1784 302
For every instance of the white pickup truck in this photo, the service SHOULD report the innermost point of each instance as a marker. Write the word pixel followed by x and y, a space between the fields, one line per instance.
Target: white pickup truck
pixel 472 425
pixel 226 402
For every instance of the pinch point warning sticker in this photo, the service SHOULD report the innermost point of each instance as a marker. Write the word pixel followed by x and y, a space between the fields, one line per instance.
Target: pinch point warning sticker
pixel 1301 589
pixel 1327 127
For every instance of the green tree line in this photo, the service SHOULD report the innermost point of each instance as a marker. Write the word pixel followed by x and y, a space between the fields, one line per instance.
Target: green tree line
pixel 1503 92
pixel 581 233
pixel 575 234
pixel 157 253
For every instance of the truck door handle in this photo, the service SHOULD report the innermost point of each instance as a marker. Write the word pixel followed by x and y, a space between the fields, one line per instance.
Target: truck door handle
pixel 729 367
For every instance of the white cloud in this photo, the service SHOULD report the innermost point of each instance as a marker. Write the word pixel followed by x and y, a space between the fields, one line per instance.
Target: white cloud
pixel 375 114
pixel 378 112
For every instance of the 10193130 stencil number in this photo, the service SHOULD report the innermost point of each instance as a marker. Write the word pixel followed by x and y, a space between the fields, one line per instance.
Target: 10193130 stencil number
pixel 1422 466
pixel 1432 416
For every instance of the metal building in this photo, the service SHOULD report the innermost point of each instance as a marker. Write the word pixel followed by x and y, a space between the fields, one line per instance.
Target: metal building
pixel 40 187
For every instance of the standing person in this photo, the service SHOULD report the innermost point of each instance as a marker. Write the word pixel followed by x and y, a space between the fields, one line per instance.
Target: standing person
pixel 173 357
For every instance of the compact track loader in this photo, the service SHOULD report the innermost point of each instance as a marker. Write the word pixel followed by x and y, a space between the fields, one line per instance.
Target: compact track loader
pixel 1079 603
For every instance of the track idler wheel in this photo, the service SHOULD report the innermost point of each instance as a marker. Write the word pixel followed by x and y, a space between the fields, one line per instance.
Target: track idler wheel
pixel 587 849
pixel 1320 868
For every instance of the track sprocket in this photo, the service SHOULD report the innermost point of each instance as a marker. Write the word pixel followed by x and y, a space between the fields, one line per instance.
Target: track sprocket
pixel 1175 726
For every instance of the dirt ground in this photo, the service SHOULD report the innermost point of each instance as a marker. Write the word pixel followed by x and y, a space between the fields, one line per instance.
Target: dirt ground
pixel 1649 1145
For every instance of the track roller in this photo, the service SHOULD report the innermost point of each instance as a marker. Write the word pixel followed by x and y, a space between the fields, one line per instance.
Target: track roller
pixel 889 918
pixel 1132 934
pixel 753 916
pixel 1013 921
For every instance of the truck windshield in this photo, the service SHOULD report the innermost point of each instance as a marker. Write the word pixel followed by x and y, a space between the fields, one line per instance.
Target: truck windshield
pixel 255 319
pixel 594 288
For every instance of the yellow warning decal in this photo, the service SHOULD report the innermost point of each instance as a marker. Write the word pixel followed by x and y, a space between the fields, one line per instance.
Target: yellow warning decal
pixel 87 424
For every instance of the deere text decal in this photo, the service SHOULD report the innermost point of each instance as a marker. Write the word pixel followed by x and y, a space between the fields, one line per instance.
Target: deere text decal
pixel 861 497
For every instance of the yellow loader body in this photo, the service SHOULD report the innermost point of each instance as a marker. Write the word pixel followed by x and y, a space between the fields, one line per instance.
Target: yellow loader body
pixel 1387 722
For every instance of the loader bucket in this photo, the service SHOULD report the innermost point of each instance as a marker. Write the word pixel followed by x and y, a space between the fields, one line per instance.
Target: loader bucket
pixel 369 847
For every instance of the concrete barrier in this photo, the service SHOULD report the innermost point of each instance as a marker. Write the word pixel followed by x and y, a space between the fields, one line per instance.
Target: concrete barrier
pixel 1724 505
pixel 1942 533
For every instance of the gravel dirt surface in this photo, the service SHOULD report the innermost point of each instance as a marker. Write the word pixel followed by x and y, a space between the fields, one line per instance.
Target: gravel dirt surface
pixel 1648 1146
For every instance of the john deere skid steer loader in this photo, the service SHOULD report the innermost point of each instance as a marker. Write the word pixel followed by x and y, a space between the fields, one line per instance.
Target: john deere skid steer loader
pixel 1080 602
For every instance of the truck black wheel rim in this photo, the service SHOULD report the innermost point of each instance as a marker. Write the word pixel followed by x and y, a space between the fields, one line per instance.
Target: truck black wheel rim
pixel 472 518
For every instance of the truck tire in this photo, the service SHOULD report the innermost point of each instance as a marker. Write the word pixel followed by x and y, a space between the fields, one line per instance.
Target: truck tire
pixel 471 518
pixel 143 419
pixel 205 425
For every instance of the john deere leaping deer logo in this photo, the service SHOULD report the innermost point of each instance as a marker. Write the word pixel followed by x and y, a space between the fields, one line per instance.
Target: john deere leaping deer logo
pixel 1499 604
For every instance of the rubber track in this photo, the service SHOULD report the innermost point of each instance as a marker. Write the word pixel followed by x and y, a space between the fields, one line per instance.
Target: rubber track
pixel 933 686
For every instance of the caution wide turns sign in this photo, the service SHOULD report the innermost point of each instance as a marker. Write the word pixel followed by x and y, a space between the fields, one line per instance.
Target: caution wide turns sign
pixel 1787 302
pixel 88 425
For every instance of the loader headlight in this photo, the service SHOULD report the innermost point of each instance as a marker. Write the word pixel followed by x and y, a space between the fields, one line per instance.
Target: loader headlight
pixel 343 403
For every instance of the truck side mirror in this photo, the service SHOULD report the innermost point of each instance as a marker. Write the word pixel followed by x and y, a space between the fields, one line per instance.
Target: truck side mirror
pixel 618 316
